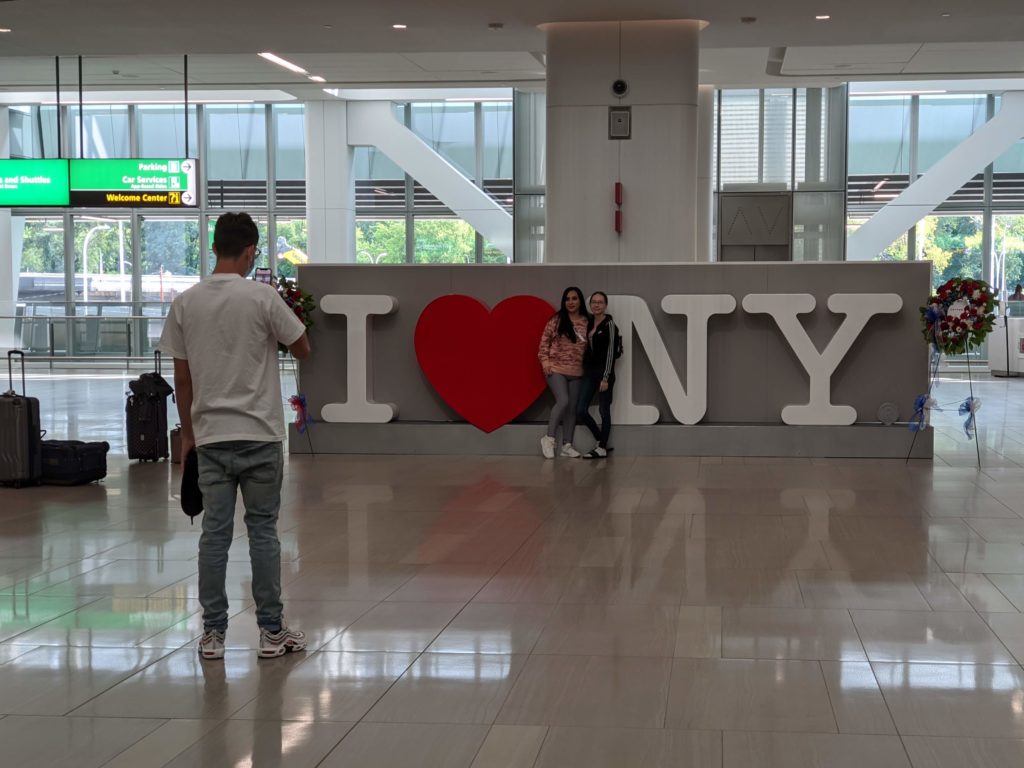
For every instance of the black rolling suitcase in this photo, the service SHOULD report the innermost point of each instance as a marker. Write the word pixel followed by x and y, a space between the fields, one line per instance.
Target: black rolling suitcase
pixel 72 462
pixel 20 433
pixel 146 416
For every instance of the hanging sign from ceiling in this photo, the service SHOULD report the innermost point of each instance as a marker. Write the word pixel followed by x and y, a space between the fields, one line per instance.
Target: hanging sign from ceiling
pixel 25 183
pixel 137 183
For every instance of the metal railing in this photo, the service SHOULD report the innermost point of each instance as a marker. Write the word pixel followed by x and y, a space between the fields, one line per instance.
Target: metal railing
pixel 119 339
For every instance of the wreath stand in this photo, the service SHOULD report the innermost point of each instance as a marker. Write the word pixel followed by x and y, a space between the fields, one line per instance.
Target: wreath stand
pixel 970 384
pixel 957 318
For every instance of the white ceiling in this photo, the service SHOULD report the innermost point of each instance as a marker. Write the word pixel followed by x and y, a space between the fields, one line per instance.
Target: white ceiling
pixel 137 44
pixel 917 59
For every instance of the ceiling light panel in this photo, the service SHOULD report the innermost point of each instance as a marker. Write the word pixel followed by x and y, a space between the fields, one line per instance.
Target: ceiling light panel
pixel 290 66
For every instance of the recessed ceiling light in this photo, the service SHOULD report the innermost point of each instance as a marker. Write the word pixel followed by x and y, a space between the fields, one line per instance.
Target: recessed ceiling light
pixel 317 79
pixel 823 17
pixel 945 15
pixel 5 29
pixel 283 63
pixel 399 26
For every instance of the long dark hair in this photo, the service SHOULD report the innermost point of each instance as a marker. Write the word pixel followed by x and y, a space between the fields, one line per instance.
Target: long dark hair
pixel 565 326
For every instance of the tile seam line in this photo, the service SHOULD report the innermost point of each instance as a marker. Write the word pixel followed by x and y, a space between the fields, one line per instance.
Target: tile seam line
pixel 871 669
pixel 828 694
pixel 137 741
pixel 997 589
pixel 12 639
pixel 140 670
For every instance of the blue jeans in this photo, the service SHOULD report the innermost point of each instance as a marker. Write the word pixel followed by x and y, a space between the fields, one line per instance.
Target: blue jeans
pixel 257 469
pixel 592 384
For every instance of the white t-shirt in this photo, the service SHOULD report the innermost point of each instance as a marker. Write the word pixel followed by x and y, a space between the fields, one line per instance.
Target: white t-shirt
pixel 228 329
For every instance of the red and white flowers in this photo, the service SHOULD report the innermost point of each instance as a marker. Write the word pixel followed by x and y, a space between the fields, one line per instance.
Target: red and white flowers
pixel 959 315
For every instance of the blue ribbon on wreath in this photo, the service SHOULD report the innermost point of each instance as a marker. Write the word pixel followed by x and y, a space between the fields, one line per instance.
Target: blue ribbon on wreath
pixel 968 408
pixel 920 420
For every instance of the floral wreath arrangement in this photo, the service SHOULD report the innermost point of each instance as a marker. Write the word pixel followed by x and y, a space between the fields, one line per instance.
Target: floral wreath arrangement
pixel 959 315
pixel 302 304
pixel 957 318
pixel 299 301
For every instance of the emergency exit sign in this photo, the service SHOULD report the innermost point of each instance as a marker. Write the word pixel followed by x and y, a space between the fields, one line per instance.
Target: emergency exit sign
pixel 30 183
pixel 137 183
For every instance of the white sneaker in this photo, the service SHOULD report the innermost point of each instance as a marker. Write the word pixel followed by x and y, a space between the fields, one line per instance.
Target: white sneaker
pixel 569 451
pixel 547 447
pixel 211 645
pixel 274 644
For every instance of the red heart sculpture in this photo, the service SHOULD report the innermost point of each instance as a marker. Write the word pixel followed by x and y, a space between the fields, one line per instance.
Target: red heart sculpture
pixel 483 363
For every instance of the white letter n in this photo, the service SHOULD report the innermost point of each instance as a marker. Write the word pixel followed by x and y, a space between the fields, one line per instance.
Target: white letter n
pixel 689 404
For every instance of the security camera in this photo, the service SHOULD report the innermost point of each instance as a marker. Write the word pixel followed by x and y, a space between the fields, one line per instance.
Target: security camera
pixel 620 88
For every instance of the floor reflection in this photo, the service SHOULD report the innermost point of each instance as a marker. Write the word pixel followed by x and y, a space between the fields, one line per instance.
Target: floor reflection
pixel 466 611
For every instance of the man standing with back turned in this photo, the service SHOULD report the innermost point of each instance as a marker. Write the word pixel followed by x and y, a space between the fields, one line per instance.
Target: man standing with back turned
pixel 223 335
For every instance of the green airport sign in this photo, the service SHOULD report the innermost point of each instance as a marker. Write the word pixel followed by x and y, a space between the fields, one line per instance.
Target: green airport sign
pixel 136 183
pixel 31 183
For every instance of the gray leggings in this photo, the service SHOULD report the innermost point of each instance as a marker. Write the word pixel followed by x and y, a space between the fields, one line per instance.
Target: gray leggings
pixel 567 391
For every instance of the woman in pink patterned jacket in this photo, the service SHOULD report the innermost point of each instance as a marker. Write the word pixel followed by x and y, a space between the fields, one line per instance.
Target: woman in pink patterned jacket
pixel 561 357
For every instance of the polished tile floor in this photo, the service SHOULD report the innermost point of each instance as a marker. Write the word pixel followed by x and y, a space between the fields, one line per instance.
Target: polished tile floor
pixel 506 612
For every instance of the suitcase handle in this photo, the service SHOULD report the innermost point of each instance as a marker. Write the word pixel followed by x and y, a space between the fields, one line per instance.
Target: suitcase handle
pixel 10 369
pixel 156 357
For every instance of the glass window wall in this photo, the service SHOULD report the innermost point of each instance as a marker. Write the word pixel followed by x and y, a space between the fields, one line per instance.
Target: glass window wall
pixel 740 144
pixel 103 259
pixel 33 131
pixel 38 245
pixel 292 244
pixel 169 256
pixel 945 121
pixel 1008 244
pixel 400 220
pixel 289 141
pixel 106 132
pixel 380 241
pixel 879 135
pixel 953 244
pixel 450 129
pixel 236 138
pixel 497 119
pixel 161 129
pixel 444 241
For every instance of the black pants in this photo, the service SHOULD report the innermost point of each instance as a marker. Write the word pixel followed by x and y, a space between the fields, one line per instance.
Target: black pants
pixel 592 383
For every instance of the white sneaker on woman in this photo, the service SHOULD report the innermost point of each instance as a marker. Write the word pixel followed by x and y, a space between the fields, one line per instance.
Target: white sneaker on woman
pixel 569 451
pixel 547 446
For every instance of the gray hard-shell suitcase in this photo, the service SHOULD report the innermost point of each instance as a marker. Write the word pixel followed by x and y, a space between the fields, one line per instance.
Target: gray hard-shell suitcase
pixel 21 458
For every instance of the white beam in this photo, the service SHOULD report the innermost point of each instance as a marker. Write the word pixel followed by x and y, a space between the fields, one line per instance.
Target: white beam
pixel 945 177
pixel 373 124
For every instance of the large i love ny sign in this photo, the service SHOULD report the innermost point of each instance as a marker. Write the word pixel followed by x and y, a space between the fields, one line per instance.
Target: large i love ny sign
pixel 483 361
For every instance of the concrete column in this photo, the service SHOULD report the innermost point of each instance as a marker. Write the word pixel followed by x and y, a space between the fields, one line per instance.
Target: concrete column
pixel 657 166
pixel 330 183
pixel 705 193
